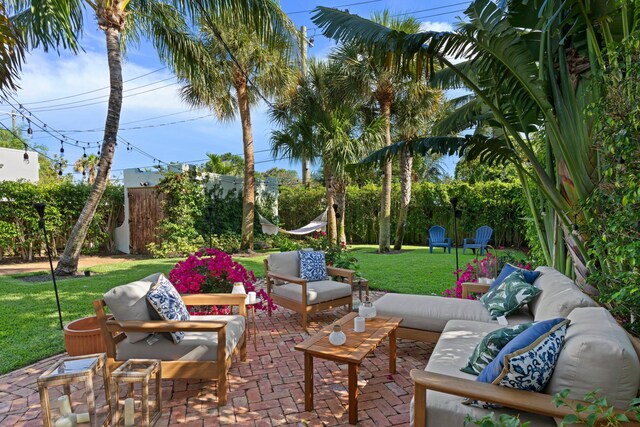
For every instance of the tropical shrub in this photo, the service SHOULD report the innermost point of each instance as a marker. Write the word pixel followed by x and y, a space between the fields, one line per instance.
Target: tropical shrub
pixel 213 271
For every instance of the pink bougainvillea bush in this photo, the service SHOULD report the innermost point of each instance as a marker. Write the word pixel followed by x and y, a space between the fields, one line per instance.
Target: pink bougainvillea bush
pixel 214 271
pixel 487 265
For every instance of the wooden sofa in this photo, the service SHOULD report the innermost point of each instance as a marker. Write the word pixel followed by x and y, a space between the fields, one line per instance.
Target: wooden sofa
pixel 598 353
pixel 286 288
pixel 198 356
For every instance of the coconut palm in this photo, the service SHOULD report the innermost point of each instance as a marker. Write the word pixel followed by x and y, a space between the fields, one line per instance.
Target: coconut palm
pixel 369 75
pixel 230 84
pixel 87 166
pixel 527 74
pixel 52 24
pixel 224 164
pixel 11 52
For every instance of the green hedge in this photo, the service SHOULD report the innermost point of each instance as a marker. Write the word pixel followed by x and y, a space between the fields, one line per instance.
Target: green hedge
pixel 493 203
pixel 19 232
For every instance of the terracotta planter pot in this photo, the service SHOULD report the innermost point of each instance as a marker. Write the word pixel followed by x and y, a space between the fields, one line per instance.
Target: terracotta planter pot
pixel 83 336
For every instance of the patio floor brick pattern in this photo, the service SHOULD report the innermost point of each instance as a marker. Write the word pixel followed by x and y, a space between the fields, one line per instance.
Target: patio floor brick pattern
pixel 266 390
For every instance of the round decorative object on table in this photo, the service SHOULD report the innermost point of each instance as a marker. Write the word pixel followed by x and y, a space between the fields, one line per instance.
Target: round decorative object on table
pixel 337 337
pixel 367 310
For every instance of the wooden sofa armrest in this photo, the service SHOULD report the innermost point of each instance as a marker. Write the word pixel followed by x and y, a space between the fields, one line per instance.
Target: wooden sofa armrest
pixel 290 279
pixel 164 326
pixel 520 400
pixel 468 287
pixel 341 272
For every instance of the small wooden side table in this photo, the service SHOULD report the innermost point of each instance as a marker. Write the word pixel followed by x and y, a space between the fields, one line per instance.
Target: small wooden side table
pixel 360 282
pixel 253 320
pixel 68 371
pixel 139 371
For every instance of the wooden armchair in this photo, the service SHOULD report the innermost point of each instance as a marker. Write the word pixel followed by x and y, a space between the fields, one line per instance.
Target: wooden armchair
pixel 520 400
pixel 197 362
pixel 286 288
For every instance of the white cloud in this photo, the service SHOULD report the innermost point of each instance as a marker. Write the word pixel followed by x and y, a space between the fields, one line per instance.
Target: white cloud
pixel 435 26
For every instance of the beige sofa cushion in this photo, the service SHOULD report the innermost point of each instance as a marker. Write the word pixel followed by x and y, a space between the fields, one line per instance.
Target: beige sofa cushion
pixel 317 291
pixel 559 295
pixel 129 302
pixel 452 351
pixel 286 263
pixel 597 354
pixel 196 346
pixel 431 313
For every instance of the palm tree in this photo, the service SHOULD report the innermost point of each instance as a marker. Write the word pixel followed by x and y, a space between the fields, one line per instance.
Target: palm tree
pixel 51 24
pixel 11 52
pixel 526 75
pixel 88 167
pixel 369 75
pixel 224 164
pixel 415 108
pixel 231 79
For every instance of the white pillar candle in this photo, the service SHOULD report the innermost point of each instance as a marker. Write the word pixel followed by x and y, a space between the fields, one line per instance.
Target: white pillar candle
pixel 63 422
pixel 128 411
pixel 358 324
pixel 252 297
pixel 64 404
pixel 83 417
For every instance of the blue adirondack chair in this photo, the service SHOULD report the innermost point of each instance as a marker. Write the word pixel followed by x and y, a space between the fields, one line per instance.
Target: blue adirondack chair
pixel 483 235
pixel 437 239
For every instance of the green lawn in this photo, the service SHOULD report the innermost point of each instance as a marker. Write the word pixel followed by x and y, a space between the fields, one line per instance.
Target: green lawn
pixel 29 328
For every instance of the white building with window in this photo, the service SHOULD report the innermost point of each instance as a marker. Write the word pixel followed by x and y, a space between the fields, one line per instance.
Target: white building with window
pixel 14 166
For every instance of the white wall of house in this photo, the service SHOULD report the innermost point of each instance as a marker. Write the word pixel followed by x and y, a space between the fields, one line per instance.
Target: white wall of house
pixel 14 168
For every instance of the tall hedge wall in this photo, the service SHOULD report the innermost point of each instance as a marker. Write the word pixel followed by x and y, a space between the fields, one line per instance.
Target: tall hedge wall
pixel 492 203
pixel 19 232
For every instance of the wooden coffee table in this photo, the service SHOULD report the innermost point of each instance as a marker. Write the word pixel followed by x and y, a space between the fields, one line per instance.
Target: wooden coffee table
pixel 352 352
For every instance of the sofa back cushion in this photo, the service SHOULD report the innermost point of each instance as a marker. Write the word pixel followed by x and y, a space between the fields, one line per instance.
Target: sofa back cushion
pixel 559 295
pixel 287 263
pixel 129 302
pixel 597 355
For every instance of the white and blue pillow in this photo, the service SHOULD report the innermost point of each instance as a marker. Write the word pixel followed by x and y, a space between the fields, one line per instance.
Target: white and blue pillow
pixel 509 296
pixel 527 361
pixel 529 276
pixel 167 304
pixel 312 266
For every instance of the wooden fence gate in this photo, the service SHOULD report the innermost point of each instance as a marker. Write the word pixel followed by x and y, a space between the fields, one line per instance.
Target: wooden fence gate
pixel 145 214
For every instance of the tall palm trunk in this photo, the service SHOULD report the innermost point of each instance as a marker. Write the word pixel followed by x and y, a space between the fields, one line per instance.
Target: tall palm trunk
pixel 332 230
pixel 306 172
pixel 406 164
pixel 248 201
pixel 384 240
pixel 340 187
pixel 68 263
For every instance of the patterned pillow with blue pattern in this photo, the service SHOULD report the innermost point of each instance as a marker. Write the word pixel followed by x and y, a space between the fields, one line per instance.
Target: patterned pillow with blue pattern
pixel 312 266
pixel 167 304
pixel 527 362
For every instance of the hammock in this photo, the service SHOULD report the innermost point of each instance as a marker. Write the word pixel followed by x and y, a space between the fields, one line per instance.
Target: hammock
pixel 317 224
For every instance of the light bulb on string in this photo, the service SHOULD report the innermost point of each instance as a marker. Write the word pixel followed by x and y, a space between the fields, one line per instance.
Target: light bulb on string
pixel 61 147
pixel 25 157
pixel 29 130
pixel 84 173
pixel 84 155
pixel 59 169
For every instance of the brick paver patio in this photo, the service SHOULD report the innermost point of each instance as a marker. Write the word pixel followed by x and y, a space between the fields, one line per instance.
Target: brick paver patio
pixel 266 390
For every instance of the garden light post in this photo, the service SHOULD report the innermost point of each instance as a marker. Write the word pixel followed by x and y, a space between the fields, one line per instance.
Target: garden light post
pixel 40 209
pixel 456 214
pixel 210 221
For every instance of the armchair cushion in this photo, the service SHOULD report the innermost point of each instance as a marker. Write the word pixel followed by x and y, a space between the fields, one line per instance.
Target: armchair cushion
pixel 166 304
pixel 317 292
pixel 285 263
pixel 129 302
pixel 195 346
pixel 312 265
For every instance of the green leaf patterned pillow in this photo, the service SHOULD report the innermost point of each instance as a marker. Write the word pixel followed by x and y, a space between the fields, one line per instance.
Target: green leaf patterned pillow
pixel 490 346
pixel 509 296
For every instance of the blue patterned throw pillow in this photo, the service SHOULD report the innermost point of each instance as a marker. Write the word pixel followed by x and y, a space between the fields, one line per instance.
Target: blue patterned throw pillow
pixel 527 361
pixel 312 266
pixel 529 276
pixel 509 296
pixel 167 304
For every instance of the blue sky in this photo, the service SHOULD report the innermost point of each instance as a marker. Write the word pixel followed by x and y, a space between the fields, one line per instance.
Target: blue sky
pixel 49 83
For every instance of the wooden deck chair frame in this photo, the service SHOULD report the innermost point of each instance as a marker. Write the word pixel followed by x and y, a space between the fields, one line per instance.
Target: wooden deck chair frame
pixel 113 333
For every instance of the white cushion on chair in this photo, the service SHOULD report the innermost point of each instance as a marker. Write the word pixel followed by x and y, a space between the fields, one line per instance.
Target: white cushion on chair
pixel 195 346
pixel 317 292
pixel 286 263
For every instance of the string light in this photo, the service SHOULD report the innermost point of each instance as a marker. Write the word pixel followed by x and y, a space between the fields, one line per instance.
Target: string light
pixel 61 147
pixel 84 154
pixel 25 157
pixel 29 130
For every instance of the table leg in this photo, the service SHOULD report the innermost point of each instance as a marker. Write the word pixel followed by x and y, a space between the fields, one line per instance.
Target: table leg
pixel 106 379
pixel 308 382
pixel 353 393
pixel 44 405
pixel 360 291
pixel 145 403
pixel 255 329
pixel 392 352
pixel 91 401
